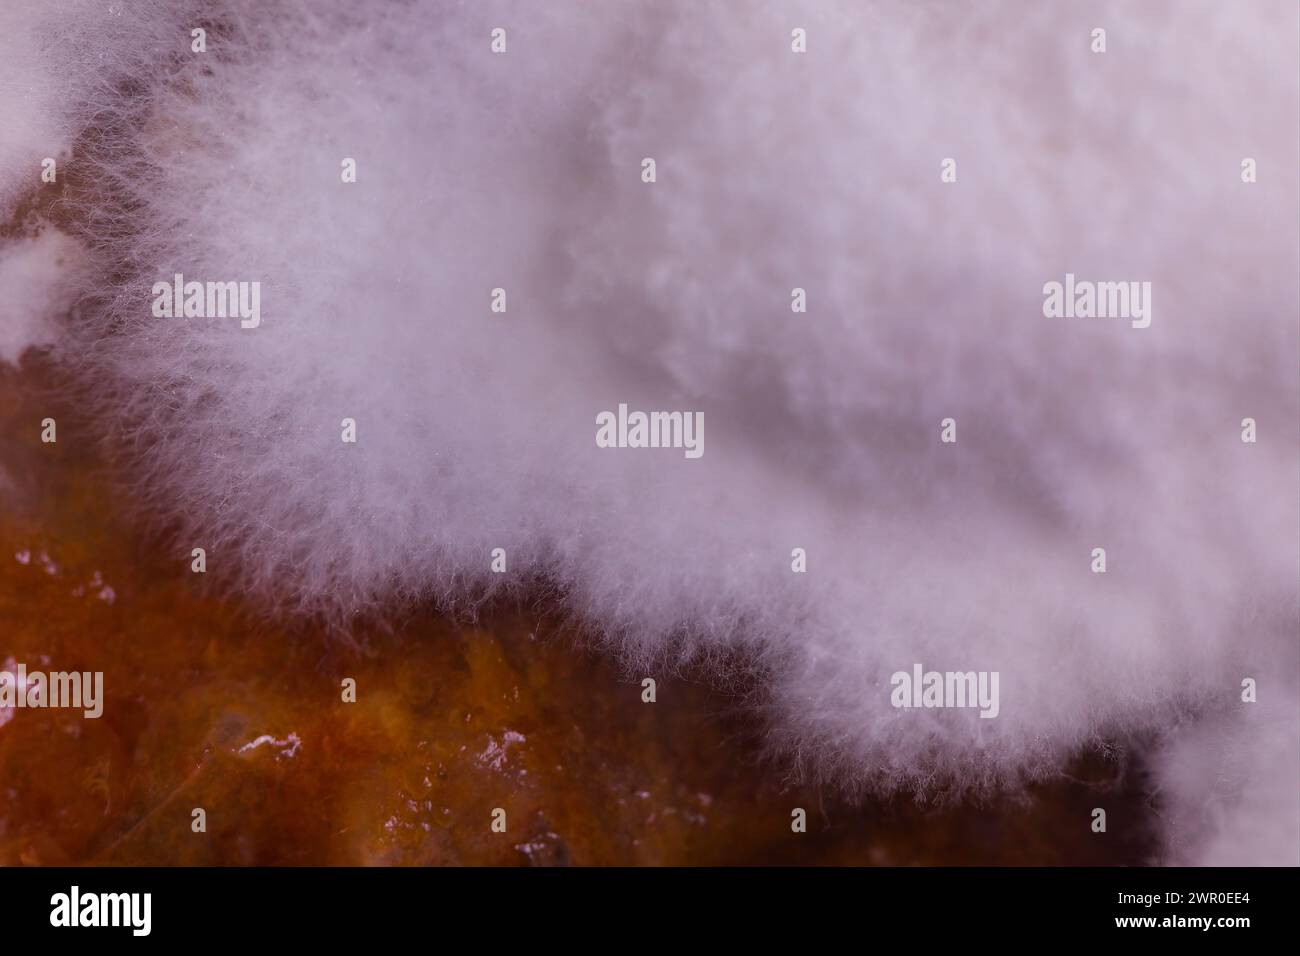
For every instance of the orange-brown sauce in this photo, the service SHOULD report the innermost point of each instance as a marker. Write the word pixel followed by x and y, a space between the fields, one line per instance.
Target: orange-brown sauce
pixel 209 706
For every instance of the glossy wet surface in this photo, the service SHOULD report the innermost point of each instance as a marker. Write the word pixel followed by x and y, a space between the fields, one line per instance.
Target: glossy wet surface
pixel 208 707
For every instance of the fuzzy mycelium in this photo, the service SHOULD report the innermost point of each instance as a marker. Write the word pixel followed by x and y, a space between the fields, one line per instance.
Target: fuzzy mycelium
pixel 499 265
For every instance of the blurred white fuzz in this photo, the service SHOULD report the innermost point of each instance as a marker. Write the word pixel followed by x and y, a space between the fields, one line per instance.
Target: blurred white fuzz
pixel 486 169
